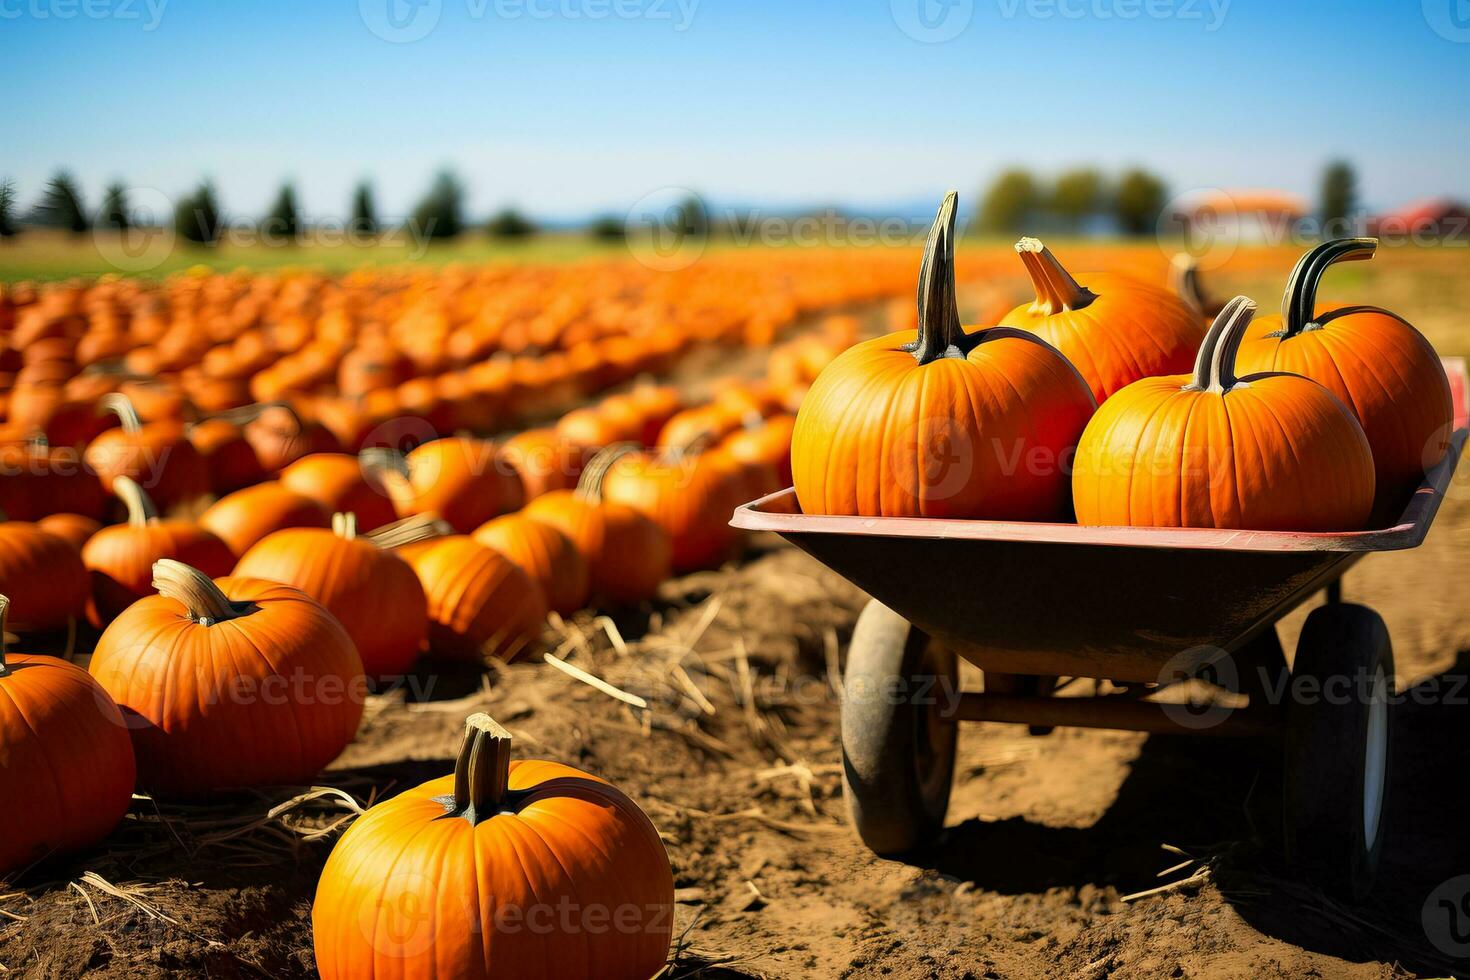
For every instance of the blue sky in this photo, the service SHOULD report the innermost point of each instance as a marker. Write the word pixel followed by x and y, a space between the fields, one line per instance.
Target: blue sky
pixel 568 107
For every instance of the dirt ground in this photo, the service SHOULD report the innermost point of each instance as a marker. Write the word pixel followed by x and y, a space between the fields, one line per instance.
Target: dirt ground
pixel 1048 837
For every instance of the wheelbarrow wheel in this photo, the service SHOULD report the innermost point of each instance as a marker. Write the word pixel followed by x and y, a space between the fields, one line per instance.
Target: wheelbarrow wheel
pixel 1337 748
pixel 898 748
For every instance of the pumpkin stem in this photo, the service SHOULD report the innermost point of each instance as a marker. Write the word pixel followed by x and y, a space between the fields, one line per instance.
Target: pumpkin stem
pixel 344 525
pixel 140 506
pixel 1056 290
pixel 4 608
pixel 1299 304
pixel 409 530
pixel 197 592
pixel 482 772
pixel 939 313
pixel 120 405
pixel 589 484
pixel 246 414
pixel 1214 369
pixel 1184 280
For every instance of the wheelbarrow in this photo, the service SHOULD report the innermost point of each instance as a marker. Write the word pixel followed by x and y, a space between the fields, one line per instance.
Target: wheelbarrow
pixel 1142 608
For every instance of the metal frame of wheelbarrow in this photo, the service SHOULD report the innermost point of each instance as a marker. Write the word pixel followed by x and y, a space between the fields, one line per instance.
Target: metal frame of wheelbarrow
pixel 1141 607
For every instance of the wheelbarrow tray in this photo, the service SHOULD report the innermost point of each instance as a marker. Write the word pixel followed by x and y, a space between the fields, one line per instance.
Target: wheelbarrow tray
pixel 1110 602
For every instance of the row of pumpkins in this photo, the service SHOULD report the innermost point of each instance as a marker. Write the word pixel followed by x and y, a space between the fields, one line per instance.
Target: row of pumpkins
pixel 237 648
pixel 1115 401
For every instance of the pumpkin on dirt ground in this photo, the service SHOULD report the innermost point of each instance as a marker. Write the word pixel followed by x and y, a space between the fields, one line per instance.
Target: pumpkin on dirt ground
pixel 1374 361
pixel 66 763
pixel 44 577
pixel 941 423
pixel 120 558
pixel 480 602
pixel 545 554
pixel 1269 452
pixel 373 592
pixel 504 869
pixel 628 554
pixel 231 683
pixel 688 492
pixel 1115 329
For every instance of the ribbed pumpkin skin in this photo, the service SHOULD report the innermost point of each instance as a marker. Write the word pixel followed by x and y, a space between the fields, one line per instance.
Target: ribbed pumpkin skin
pixel 374 593
pixel 986 436
pixel 246 516
pixel 120 561
pixel 43 575
pixel 690 497
pixel 1277 454
pixel 628 554
pixel 1388 376
pixel 459 479
pixel 339 483
pixel 409 893
pixel 480 602
pixel 1132 330
pixel 52 712
pixel 268 698
pixel 543 553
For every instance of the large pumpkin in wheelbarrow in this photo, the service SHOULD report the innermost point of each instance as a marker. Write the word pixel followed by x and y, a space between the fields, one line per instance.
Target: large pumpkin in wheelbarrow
pixel 941 423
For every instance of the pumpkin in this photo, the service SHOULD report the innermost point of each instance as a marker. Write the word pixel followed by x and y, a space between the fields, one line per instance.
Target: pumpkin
pixel 120 558
pixel 228 455
pixel 37 479
pixel 373 592
pixel 1115 330
pixel 767 442
pixel 66 762
pixel 43 575
pixel 234 682
pixel 340 482
pixel 1374 361
pixel 628 554
pixel 75 529
pixel 279 435
pixel 480 602
pixel 1269 452
pixel 158 455
pixel 1185 282
pixel 459 479
pixel 505 869
pixel 939 423
pixel 543 460
pixel 543 553
pixel 246 516
pixel 691 495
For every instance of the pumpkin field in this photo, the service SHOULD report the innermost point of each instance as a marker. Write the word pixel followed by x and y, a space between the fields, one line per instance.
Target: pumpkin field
pixel 316 582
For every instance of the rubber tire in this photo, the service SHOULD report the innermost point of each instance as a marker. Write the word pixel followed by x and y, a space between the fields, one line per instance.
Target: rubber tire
pixel 1327 751
pixel 898 753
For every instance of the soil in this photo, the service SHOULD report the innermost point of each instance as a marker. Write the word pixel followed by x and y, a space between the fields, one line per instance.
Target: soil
pixel 1048 836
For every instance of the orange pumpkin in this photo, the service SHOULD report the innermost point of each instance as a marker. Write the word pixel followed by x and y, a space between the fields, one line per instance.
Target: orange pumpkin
pixel 157 455
pixel 234 683
pixel 341 483
pixel 543 553
pixel 497 849
pixel 940 423
pixel 120 558
pixel 43 575
pixel 74 529
pixel 480 602
pixel 1115 330
pixel 1270 452
pixel 543 460
pixel 767 443
pixel 37 479
pixel 66 762
pixel 227 454
pixel 1374 361
pixel 691 495
pixel 373 592
pixel 459 479
pixel 246 516
pixel 628 554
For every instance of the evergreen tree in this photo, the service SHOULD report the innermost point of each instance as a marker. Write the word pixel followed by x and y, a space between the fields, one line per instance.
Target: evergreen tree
pixel 197 217
pixel 1339 196
pixel 364 212
pixel 61 206
pixel 283 224
pixel 7 209
pixel 510 223
pixel 114 213
pixel 607 229
pixel 441 213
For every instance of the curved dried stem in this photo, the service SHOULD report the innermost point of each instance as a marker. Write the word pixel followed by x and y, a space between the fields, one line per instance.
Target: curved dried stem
pixel 198 594
pixel 410 530
pixel 1299 303
pixel 1056 290
pixel 939 313
pixel 122 406
pixel 589 484
pixel 140 506
pixel 1214 368
pixel 482 771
